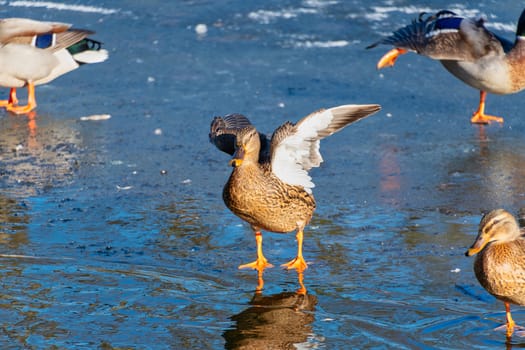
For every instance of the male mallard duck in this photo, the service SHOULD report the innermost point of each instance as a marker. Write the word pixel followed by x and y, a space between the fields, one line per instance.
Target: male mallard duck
pixel 274 193
pixel 468 50
pixel 34 53
pixel 500 264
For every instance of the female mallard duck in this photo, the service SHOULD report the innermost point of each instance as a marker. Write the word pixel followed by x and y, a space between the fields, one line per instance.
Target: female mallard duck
pixel 224 129
pixel 34 53
pixel 274 192
pixel 500 264
pixel 468 50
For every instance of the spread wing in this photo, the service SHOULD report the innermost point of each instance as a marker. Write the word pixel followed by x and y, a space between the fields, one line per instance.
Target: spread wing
pixel 223 131
pixel 294 148
pixel 446 36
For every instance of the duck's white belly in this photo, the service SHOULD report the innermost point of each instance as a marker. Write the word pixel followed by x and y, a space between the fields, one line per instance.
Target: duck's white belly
pixel 484 74
pixel 20 64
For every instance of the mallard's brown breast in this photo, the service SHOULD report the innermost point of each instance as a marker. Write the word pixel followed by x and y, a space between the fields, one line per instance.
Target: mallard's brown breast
pixel 265 202
pixel 500 269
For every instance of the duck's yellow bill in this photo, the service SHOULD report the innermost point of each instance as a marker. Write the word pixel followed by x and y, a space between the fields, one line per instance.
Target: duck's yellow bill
pixel 235 162
pixel 478 246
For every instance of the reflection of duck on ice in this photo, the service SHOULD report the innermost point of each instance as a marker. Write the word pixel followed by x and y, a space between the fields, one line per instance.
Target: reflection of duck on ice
pixel 34 158
pixel 278 321
pixel 14 219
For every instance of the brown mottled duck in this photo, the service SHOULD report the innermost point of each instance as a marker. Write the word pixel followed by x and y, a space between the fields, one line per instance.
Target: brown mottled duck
pixel 468 50
pixel 500 263
pixel 269 186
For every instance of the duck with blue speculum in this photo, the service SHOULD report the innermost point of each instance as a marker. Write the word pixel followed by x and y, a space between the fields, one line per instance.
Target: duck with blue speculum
pixel 36 52
pixel 468 50
pixel 269 186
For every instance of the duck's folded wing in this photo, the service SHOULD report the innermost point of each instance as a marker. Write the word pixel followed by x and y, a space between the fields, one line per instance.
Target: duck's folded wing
pixel 13 28
pixel 294 148
pixel 71 37
pixel 445 36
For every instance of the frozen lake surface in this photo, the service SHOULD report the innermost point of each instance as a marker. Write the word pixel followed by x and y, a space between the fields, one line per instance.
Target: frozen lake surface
pixel 113 233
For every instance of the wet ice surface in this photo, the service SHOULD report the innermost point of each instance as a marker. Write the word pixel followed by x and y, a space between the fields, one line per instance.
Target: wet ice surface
pixel 113 231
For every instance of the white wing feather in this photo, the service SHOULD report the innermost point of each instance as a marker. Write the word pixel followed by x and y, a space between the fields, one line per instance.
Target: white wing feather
pixel 291 157
pixel 295 148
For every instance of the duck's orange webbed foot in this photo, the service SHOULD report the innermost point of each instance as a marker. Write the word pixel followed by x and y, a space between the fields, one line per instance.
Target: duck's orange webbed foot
pixel 482 118
pixel 510 326
pixel 260 264
pixel 479 116
pixel 390 58
pixel 31 101
pixel 298 263
pixel 20 109
pixel 511 329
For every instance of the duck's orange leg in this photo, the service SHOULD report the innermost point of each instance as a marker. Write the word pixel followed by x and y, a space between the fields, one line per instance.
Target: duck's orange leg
pixel 261 263
pixel 12 99
pixel 31 102
pixel 302 288
pixel 260 282
pixel 510 326
pixel 510 321
pixel 479 117
pixel 298 263
pixel 390 58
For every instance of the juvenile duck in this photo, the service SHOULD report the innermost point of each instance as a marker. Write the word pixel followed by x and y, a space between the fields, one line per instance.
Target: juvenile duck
pixel 274 192
pixel 34 53
pixel 500 264
pixel 466 49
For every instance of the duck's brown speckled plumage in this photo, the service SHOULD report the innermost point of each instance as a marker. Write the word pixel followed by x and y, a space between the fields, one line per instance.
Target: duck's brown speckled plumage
pixel 500 269
pixel 255 192
pixel 259 197
pixel 516 60
pixel 500 262
pixel 267 203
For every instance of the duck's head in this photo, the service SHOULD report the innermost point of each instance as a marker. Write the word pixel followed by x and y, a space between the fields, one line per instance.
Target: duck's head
pixel 247 146
pixel 496 226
